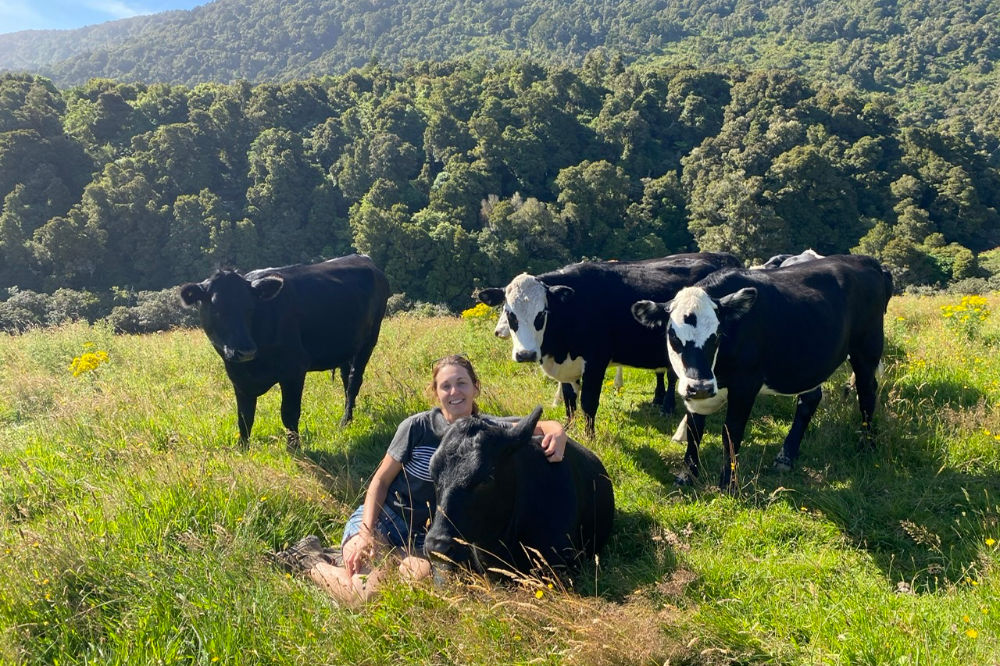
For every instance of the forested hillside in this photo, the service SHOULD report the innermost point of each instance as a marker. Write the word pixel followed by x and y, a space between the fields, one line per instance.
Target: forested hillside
pixel 938 54
pixel 452 175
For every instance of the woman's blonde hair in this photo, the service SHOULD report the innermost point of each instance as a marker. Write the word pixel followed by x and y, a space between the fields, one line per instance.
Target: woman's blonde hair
pixel 462 362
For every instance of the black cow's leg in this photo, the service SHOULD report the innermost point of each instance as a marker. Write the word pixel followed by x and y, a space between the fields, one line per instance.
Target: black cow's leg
pixel 867 386
pixel 805 406
pixel 569 399
pixel 246 410
pixel 291 408
pixel 737 415
pixel 669 402
pixel 352 381
pixel 694 425
pixel 590 392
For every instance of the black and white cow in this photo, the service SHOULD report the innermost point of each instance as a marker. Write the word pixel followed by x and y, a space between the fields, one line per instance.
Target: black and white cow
pixel 739 333
pixel 501 504
pixel 273 325
pixel 575 321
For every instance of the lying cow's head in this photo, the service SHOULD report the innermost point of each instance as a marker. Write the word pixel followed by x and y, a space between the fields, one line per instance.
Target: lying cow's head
pixel 527 302
pixel 226 302
pixel 475 482
pixel 694 321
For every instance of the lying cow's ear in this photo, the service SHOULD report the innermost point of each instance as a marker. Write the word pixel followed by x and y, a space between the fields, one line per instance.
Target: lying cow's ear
pixel 268 287
pixel 525 428
pixel 491 296
pixel 192 293
pixel 735 305
pixel 561 293
pixel 650 314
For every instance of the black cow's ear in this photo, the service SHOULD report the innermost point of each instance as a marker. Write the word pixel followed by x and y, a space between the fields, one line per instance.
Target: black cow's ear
pixel 561 293
pixel 192 293
pixel 491 296
pixel 650 314
pixel 525 428
pixel 268 287
pixel 735 305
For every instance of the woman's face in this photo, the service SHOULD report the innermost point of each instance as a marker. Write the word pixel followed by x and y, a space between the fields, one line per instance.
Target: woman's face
pixel 455 392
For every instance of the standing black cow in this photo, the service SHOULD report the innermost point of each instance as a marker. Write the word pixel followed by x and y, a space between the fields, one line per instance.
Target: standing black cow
pixel 575 321
pixel 274 325
pixel 500 503
pixel 784 331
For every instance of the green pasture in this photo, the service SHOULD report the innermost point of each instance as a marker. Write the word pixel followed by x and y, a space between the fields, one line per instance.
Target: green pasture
pixel 133 530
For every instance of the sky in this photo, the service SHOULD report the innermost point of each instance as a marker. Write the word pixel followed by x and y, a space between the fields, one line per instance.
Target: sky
pixel 18 15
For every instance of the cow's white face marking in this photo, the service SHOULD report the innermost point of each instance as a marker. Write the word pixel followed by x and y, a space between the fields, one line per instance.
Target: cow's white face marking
pixel 526 310
pixel 568 372
pixel 502 330
pixel 693 340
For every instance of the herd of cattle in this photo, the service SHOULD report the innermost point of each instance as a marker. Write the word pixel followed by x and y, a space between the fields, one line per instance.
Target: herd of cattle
pixel 721 333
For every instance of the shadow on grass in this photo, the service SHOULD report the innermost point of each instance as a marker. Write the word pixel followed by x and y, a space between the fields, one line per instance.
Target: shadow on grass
pixel 634 557
pixel 922 517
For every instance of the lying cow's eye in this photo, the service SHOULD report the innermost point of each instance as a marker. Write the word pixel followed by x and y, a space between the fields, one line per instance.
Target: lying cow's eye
pixel 512 321
pixel 540 320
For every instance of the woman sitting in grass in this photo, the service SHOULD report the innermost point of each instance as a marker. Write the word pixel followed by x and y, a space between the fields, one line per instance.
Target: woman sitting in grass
pixel 402 478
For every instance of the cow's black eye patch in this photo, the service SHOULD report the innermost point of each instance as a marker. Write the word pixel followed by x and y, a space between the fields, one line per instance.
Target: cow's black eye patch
pixel 674 341
pixel 540 320
pixel 512 321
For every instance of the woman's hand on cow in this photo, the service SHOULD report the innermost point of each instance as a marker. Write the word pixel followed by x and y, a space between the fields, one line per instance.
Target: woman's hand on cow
pixel 358 550
pixel 553 440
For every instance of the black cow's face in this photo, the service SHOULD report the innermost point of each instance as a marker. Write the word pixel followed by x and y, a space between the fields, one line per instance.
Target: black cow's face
pixel 527 304
pixel 226 304
pixel 693 323
pixel 475 486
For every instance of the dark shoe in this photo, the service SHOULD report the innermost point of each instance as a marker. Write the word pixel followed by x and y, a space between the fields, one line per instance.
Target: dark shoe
pixel 302 556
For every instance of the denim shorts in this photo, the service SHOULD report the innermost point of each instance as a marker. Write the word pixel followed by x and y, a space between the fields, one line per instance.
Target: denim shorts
pixel 390 526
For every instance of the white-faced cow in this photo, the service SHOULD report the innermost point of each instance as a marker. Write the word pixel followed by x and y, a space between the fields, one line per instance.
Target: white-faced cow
pixel 574 322
pixel 273 325
pixel 738 333
pixel 501 504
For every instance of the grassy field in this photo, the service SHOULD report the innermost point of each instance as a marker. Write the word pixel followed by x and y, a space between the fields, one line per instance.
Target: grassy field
pixel 134 531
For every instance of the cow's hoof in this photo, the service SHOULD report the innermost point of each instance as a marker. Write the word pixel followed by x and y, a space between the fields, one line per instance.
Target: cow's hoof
pixel 293 444
pixel 783 463
pixel 345 420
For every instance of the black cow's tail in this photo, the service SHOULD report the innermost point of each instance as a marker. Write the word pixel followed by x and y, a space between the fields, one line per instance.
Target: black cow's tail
pixel 887 279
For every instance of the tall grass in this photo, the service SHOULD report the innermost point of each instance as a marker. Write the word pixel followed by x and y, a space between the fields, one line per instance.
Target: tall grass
pixel 134 530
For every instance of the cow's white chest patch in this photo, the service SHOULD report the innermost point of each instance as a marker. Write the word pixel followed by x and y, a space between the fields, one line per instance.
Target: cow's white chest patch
pixel 711 405
pixel 569 371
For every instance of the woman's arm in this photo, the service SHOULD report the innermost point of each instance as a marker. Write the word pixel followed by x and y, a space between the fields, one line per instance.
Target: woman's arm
pixel 361 547
pixel 553 439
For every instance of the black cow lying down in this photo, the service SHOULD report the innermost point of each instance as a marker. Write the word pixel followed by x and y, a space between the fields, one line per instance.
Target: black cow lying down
pixel 273 325
pixel 738 333
pixel 502 505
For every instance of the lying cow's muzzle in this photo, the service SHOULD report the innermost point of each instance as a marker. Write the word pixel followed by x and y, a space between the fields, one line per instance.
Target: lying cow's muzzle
pixel 699 389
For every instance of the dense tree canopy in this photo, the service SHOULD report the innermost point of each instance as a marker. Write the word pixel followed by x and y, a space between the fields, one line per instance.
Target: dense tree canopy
pixel 449 174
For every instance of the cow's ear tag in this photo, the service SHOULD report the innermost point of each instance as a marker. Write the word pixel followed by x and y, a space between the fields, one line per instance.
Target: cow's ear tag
pixel 491 296
pixel 268 287
pixel 735 305
pixel 650 314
